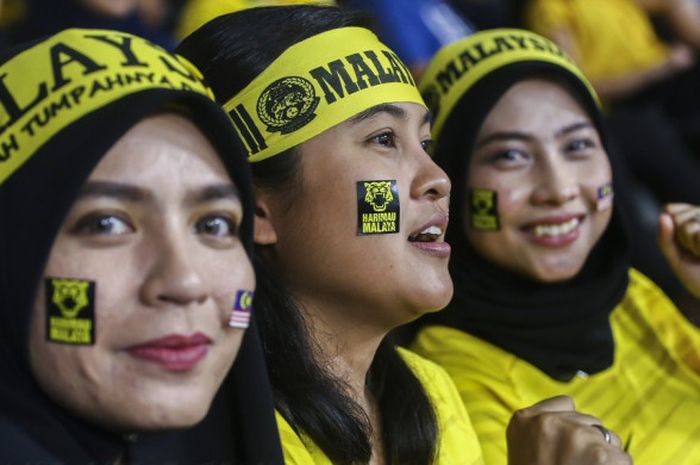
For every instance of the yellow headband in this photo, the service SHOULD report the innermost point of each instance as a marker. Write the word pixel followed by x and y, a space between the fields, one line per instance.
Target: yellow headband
pixel 315 85
pixel 51 85
pixel 460 65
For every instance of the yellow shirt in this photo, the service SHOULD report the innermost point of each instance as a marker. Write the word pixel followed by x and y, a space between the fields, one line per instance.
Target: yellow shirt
pixel 612 37
pixel 196 13
pixel 651 392
pixel 457 442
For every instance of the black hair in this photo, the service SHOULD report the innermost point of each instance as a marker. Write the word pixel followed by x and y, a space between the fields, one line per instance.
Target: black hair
pixel 231 51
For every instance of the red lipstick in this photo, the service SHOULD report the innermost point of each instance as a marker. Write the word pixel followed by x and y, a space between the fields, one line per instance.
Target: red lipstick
pixel 174 352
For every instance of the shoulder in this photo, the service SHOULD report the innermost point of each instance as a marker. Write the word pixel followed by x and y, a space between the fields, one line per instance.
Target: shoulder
pixel 647 297
pixel 463 354
pixel 17 446
pixel 458 443
pixel 298 450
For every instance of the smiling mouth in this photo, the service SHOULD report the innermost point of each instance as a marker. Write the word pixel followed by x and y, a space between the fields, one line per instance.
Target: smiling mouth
pixel 555 230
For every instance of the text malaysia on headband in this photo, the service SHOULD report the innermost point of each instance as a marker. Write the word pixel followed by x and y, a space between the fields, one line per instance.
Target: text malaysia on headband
pixel 460 65
pixel 55 83
pixel 315 85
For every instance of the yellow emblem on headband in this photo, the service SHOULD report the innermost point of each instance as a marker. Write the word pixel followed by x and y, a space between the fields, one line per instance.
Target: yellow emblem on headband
pixel 460 65
pixel 49 86
pixel 315 85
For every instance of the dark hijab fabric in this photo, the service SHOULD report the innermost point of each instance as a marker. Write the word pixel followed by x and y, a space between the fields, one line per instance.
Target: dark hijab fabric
pixel 561 328
pixel 85 93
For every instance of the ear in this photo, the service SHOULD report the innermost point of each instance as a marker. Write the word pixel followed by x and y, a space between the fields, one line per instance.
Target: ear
pixel 264 229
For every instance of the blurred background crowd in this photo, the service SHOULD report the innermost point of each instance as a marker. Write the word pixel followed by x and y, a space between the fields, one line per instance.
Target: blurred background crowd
pixel 640 55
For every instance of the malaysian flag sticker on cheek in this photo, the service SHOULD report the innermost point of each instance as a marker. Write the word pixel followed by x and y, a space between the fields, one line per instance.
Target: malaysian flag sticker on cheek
pixel 604 197
pixel 242 309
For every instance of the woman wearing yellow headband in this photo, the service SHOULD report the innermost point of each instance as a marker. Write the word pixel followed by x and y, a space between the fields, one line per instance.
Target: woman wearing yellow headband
pixel 546 303
pixel 126 218
pixel 351 212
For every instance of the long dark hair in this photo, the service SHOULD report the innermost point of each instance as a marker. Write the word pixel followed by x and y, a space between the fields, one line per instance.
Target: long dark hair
pixel 231 51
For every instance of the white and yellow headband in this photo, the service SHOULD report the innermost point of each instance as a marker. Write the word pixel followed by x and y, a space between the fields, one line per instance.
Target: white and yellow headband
pixel 460 65
pixel 51 85
pixel 316 84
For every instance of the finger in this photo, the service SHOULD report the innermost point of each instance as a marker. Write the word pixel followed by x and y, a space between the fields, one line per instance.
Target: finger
pixel 685 215
pixel 553 404
pixel 687 235
pixel 666 239
pixel 608 436
pixel 674 208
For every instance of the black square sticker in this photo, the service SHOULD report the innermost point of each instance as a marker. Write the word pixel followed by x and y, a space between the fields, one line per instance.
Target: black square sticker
pixel 378 207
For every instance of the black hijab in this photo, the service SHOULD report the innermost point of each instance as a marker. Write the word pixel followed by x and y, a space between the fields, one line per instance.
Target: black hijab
pixel 561 328
pixel 65 101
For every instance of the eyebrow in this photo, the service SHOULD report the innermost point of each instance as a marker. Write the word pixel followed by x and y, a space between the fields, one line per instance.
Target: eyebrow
pixel 503 135
pixel 574 127
pixel 510 135
pixel 210 193
pixel 389 108
pixel 134 194
pixel 114 190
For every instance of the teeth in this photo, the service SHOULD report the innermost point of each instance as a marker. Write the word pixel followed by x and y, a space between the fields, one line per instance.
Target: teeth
pixel 429 234
pixel 433 230
pixel 556 229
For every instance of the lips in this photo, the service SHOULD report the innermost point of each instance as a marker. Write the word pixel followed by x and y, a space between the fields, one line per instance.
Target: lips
pixel 176 353
pixel 430 237
pixel 554 231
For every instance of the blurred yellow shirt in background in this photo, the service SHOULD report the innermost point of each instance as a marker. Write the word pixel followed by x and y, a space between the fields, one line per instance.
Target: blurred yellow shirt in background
pixel 196 13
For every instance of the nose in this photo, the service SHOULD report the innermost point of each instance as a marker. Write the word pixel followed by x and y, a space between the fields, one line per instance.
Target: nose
pixel 172 277
pixel 557 183
pixel 430 182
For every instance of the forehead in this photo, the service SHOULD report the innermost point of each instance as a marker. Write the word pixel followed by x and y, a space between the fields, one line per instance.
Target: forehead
pixel 166 147
pixel 535 105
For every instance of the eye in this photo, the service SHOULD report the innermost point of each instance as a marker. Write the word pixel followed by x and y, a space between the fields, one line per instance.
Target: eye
pixel 216 226
pixel 386 139
pixel 509 157
pixel 103 225
pixel 580 145
pixel 429 146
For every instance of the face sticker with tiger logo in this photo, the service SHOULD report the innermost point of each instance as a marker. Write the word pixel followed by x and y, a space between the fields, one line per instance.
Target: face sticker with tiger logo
pixel 70 316
pixel 378 207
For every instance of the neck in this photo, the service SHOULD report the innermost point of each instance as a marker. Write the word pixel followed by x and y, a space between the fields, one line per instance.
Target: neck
pixel 345 343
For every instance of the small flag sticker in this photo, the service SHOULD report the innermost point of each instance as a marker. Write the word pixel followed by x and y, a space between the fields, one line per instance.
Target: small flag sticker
pixel 605 197
pixel 242 309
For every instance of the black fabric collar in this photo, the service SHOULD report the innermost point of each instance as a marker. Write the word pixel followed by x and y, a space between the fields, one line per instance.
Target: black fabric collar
pixel 560 328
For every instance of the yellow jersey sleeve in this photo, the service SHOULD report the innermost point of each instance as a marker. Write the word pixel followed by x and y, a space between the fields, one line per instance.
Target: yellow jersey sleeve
pixel 649 396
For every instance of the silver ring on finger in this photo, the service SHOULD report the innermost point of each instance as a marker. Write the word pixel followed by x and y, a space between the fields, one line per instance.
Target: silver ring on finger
pixel 605 432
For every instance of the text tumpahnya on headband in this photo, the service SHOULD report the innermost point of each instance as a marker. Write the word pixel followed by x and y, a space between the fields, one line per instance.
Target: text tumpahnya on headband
pixel 86 70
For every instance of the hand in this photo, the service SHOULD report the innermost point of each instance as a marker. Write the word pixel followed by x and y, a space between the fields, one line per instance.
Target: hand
pixel 681 57
pixel 679 240
pixel 551 432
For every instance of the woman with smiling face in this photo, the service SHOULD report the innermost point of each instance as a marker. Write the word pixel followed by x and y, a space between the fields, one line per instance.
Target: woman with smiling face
pixel 350 217
pixel 125 276
pixel 545 302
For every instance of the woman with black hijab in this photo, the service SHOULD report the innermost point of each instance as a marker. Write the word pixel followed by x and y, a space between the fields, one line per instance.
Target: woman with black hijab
pixel 545 301
pixel 125 273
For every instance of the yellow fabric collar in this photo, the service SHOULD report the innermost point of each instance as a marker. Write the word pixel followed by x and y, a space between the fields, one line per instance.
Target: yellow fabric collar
pixel 49 86
pixel 460 65
pixel 315 85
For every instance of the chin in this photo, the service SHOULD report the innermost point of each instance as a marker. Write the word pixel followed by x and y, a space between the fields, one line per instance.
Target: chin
pixel 164 418
pixel 434 299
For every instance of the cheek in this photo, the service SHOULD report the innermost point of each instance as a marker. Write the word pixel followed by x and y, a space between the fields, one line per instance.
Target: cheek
pixel 227 275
